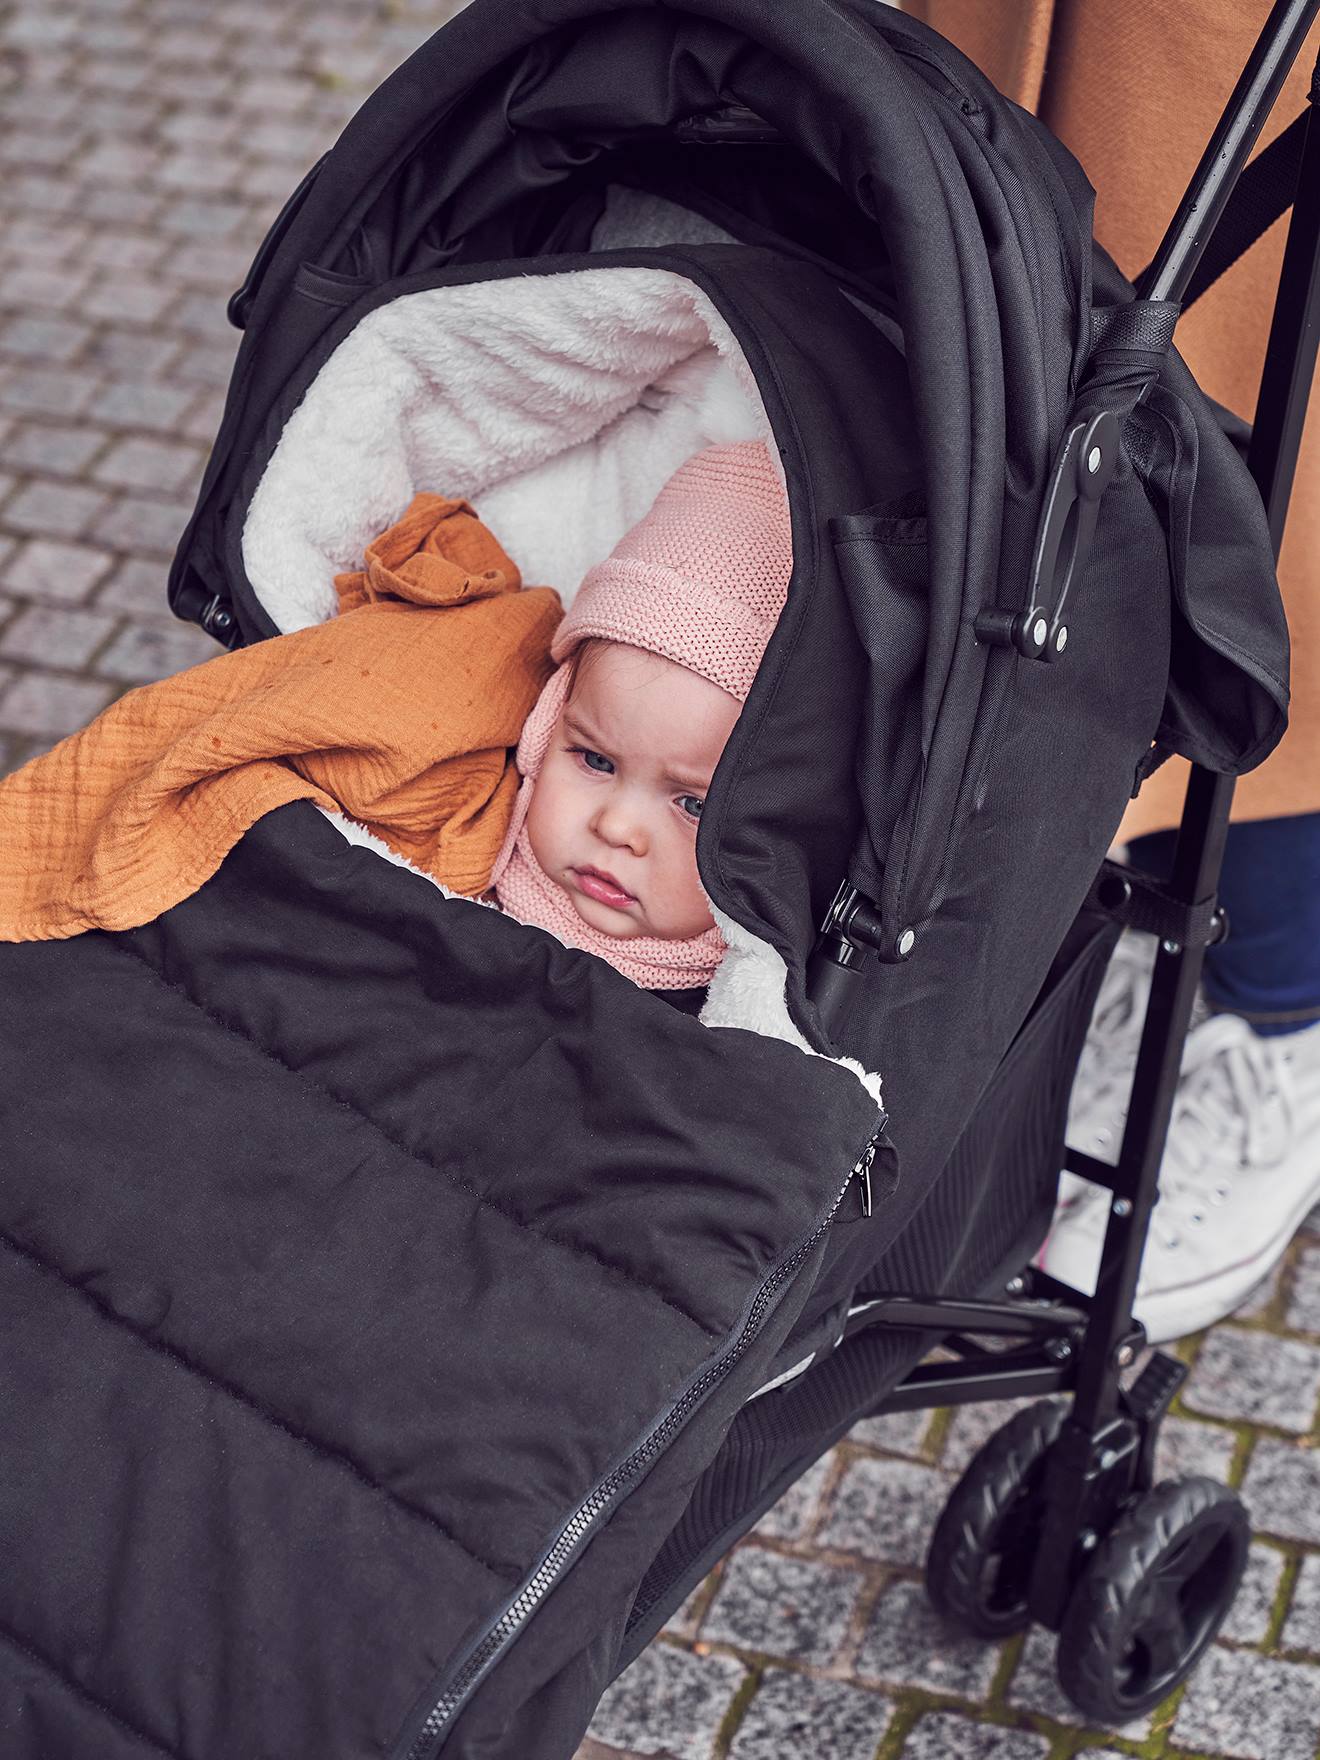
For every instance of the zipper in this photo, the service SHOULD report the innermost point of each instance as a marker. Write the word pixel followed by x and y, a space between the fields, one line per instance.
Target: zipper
pixel 425 1743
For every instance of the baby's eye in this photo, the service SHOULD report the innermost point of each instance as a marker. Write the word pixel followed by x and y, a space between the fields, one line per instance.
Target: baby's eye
pixel 594 760
pixel 691 805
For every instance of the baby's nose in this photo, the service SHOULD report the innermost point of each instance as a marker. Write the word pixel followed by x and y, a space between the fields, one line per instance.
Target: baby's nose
pixel 621 823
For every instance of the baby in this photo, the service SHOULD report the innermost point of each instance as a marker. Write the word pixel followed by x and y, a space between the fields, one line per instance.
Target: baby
pixel 657 654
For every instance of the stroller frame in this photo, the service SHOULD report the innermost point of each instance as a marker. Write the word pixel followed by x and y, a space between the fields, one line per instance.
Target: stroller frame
pixel 1092 1465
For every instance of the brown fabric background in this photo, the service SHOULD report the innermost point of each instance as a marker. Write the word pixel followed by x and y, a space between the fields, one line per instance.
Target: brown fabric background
pixel 1135 92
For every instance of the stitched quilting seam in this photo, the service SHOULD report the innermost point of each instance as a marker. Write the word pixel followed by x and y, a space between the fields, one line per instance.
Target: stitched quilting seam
pixel 618 1273
pixel 241 1397
pixel 10 1637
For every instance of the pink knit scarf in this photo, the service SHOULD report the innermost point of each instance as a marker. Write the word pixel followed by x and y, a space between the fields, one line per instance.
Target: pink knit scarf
pixel 527 892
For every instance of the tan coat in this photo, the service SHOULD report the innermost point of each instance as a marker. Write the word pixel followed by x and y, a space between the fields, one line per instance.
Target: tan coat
pixel 1135 90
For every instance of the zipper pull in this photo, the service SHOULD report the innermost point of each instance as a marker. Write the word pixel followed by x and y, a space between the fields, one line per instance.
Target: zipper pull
pixel 862 1172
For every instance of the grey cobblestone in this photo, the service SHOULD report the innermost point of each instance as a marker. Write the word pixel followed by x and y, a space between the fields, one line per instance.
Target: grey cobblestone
pixel 1251 1706
pixel 1282 1491
pixel 941 1735
pixel 58 510
pixel 885 1510
pixel 895 1432
pixel 1249 1617
pixel 796 1511
pixel 974 1425
pixel 1256 1377
pixel 143 652
pixel 907 1645
pixel 43 569
pixel 138 522
pixel 1301 1629
pixel 669 1702
pixel 796 1608
pixel 1188 1446
pixel 55 635
pixel 39 703
pixel 792 1714
pixel 148 464
pixel 1304 1306
pixel 66 451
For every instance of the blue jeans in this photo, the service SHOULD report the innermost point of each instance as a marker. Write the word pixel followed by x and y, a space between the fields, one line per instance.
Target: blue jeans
pixel 1268 970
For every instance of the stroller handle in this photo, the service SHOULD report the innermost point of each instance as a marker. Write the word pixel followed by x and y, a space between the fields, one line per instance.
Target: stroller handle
pixel 1253 98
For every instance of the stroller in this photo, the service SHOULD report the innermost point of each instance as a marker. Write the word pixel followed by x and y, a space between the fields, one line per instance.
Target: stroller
pixel 405 1311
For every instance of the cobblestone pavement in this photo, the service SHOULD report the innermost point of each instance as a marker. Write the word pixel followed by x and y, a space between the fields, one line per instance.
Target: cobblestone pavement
pixel 145 146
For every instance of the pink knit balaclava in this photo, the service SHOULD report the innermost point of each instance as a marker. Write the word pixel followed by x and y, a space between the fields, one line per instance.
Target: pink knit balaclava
pixel 700 579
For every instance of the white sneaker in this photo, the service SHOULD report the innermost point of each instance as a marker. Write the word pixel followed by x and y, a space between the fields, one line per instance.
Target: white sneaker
pixel 1241 1169
pixel 1101 1086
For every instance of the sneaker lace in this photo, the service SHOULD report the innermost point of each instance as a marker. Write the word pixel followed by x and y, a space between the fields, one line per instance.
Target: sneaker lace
pixel 1234 1111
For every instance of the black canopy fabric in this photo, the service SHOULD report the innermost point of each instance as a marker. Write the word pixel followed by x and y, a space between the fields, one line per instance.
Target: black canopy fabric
pixel 900 171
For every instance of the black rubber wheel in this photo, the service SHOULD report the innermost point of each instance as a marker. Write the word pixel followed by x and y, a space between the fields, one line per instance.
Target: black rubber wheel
pixel 979 1563
pixel 1152 1598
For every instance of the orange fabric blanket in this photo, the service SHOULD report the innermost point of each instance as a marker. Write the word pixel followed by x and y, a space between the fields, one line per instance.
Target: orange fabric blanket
pixel 401 712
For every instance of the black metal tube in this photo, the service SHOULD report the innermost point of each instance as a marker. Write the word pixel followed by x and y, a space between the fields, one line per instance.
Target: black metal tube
pixel 1198 854
pixel 1229 148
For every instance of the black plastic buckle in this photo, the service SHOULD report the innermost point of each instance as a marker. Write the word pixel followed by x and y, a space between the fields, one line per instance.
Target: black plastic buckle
pixel 1082 472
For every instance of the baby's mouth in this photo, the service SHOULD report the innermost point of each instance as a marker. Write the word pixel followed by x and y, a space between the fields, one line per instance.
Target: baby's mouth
pixel 604 888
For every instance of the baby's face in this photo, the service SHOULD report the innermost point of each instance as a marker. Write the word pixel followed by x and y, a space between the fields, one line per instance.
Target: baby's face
pixel 613 815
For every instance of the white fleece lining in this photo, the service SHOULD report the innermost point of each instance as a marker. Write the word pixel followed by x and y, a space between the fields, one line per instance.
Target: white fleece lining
pixel 530 396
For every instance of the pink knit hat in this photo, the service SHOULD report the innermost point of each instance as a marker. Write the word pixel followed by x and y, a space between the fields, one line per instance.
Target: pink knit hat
pixel 701 580
pixel 702 577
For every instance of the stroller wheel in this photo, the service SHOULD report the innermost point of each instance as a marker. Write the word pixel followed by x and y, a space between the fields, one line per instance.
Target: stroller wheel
pixel 981 1553
pixel 1152 1598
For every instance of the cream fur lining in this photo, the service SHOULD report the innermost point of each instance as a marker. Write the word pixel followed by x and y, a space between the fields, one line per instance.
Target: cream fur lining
pixel 559 405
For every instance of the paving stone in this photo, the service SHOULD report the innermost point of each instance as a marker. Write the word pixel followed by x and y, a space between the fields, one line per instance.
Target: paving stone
pixel 208 218
pixel 42 703
pixel 142 404
pixel 973 1425
pixel 46 391
pixel 133 353
pixel 137 587
pixel 137 523
pixel 43 569
pixel 45 339
pixel 52 287
pixel 1035 1687
pixel 57 510
pixel 941 1734
pixel 895 1432
pixel 793 1714
pixel 38 447
pixel 669 1702
pixel 886 1510
pixel 791 1607
pixel 50 635
pixel 1282 1490
pixel 1188 1446
pixel 683 1622
pixel 906 1644
pixel 792 1517
pixel 1251 1706
pixel 148 464
pixel 1304 1306
pixel 1301 1629
pixel 1256 1377
pixel 120 300
pixel 127 205
pixel 1249 1617
pixel 125 251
